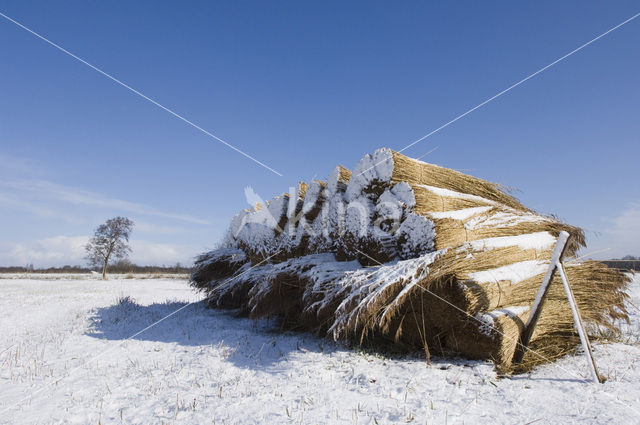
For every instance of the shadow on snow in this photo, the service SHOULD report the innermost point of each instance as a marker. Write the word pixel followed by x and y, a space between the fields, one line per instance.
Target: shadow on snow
pixel 254 344
pixel 249 343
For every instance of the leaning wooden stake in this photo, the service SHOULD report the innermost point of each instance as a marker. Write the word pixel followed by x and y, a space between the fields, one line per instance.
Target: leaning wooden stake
pixel 536 310
pixel 527 332
pixel 584 338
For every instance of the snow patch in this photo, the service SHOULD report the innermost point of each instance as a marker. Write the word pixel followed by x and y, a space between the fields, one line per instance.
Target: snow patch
pixel 538 240
pixel 515 273
pixel 462 214
pixel 514 311
pixel 403 192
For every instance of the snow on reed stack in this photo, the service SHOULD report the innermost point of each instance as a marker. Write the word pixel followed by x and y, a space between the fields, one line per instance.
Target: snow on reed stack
pixel 412 253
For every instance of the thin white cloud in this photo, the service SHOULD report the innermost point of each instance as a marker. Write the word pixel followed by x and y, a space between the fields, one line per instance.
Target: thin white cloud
pixel 55 251
pixel 8 201
pixel 16 164
pixel 617 236
pixel 153 229
pixel 48 190
pixel 625 232
pixel 149 253
pixel 69 250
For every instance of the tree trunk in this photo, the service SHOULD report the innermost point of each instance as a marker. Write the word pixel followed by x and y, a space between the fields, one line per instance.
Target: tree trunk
pixel 106 262
pixel 104 269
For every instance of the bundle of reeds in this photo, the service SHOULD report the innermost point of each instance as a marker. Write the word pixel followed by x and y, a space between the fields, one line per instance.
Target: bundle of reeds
pixel 416 172
pixel 412 252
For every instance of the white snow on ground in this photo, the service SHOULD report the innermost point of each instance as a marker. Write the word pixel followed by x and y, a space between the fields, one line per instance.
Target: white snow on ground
pixel 65 358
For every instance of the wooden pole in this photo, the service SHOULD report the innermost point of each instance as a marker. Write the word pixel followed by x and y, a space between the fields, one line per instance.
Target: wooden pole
pixel 527 332
pixel 584 338
pixel 536 310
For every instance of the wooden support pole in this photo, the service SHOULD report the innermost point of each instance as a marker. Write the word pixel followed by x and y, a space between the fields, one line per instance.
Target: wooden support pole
pixel 527 332
pixel 584 338
pixel 536 310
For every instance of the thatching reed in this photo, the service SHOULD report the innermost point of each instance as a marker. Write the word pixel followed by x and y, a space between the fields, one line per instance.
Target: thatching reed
pixel 453 233
pixel 432 199
pixel 498 222
pixel 216 265
pixel 417 254
pixel 599 292
pixel 416 172
pixel 278 295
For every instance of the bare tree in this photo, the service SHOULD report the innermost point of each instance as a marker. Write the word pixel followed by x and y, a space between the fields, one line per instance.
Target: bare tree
pixel 110 240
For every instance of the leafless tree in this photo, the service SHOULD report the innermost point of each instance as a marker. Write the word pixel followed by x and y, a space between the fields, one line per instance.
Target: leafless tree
pixel 109 241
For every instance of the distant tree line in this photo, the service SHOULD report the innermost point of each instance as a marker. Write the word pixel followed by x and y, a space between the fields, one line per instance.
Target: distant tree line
pixel 125 266
pixel 628 262
pixel 630 258
pixel 108 248
pixel 121 267
pixel 29 268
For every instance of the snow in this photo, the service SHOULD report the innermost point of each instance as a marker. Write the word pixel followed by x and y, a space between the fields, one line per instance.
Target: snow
pixel 376 166
pixel 453 194
pixel 277 208
pixel 389 211
pixel 312 196
pixel 513 311
pixel 404 193
pixel 516 272
pixel 383 162
pixel 358 216
pixel 363 173
pixel 417 233
pixel 256 227
pixel 538 240
pixel 366 285
pixel 369 209
pixel 503 219
pixel 65 358
pixel 333 183
pixel 462 214
pixel 334 211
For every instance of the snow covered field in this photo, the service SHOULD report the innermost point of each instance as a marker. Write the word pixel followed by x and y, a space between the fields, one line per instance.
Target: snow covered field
pixel 65 357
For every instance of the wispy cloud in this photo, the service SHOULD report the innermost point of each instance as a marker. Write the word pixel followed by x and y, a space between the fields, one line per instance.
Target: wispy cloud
pixel 55 251
pixel 153 229
pixel 20 165
pixel 13 202
pixel 43 189
pixel 625 231
pixel 617 236
pixel 63 250
pixel 144 252
pixel 72 210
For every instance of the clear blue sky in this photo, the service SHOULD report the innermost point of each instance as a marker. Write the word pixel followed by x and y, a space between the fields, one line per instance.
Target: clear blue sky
pixel 303 86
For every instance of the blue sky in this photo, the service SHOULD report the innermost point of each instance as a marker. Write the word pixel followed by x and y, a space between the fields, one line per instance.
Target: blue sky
pixel 303 86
